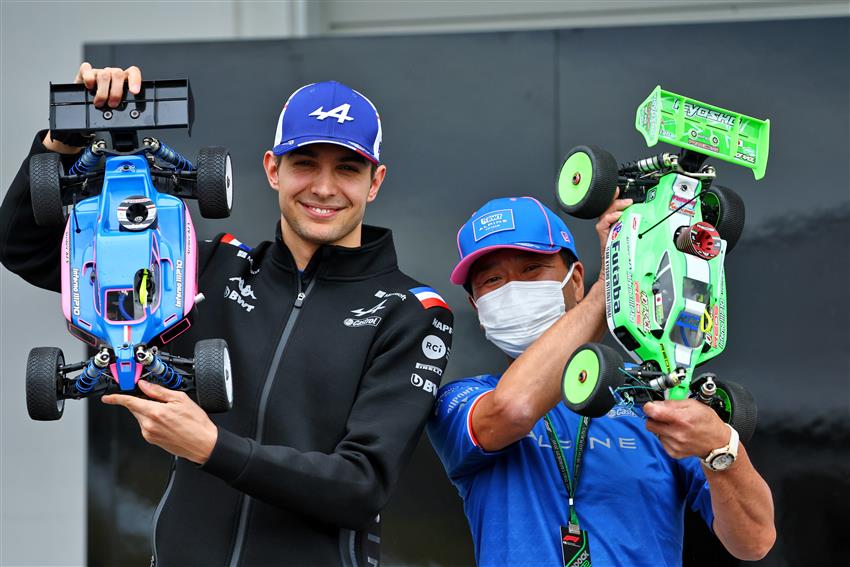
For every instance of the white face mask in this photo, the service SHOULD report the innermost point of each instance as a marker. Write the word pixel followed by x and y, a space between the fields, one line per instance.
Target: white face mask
pixel 516 314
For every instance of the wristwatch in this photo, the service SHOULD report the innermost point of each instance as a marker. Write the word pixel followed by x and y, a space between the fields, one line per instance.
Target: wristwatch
pixel 722 458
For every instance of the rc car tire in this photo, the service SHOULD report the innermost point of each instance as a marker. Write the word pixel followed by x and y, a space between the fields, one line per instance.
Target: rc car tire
pixel 213 383
pixel 45 189
pixel 43 382
pixel 214 183
pixel 724 208
pixel 587 182
pixel 744 411
pixel 587 377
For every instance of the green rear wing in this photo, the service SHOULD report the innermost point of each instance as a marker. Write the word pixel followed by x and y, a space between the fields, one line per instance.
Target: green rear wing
pixel 703 128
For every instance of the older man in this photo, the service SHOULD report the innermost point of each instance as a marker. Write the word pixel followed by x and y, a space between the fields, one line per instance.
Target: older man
pixel 619 499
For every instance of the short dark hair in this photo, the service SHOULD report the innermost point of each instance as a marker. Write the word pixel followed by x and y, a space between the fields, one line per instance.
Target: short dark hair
pixel 566 255
pixel 372 164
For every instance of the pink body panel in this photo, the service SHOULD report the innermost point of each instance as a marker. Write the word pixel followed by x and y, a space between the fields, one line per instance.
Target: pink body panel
pixel 65 270
pixel 190 282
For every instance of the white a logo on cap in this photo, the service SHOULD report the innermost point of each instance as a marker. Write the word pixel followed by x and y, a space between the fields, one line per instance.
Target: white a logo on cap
pixel 340 113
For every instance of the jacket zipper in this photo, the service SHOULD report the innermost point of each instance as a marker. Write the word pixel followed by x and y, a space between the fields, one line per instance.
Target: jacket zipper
pixel 258 435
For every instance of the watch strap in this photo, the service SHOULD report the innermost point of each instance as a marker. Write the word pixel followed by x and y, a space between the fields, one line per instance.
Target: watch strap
pixel 731 449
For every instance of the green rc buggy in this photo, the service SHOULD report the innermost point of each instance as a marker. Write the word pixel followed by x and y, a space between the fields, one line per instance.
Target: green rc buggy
pixel 665 287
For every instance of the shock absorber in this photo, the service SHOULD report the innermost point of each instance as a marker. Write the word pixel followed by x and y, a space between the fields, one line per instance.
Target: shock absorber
pixel 167 154
pixel 667 381
pixel 93 371
pixel 90 158
pixel 707 390
pixel 159 370
pixel 648 165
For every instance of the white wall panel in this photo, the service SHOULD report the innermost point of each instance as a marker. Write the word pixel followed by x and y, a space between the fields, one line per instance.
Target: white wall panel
pixel 345 17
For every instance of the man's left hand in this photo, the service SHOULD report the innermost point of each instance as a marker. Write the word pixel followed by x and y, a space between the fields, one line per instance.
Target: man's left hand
pixel 170 420
pixel 686 428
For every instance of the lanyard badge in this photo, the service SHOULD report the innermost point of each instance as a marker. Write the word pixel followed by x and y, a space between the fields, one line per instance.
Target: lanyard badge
pixel 574 541
pixel 575 548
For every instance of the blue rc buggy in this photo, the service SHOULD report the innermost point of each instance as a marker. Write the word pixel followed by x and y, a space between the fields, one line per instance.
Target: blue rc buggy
pixel 129 262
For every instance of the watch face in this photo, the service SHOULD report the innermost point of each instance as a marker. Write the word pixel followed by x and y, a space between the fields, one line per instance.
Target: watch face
pixel 722 462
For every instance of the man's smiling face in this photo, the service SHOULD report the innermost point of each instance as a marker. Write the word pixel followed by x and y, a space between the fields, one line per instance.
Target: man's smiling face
pixel 323 190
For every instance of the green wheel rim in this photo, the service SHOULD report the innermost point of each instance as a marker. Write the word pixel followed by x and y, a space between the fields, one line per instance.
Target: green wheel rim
pixel 710 200
pixel 574 180
pixel 724 397
pixel 575 390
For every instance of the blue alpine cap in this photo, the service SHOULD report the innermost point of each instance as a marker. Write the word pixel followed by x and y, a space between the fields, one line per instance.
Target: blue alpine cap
pixel 329 113
pixel 523 223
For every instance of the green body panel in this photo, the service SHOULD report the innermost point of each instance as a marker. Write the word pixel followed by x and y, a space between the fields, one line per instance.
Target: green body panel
pixel 704 128
pixel 679 296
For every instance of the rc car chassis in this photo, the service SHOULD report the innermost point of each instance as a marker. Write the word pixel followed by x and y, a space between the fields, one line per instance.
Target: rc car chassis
pixel 129 251
pixel 665 284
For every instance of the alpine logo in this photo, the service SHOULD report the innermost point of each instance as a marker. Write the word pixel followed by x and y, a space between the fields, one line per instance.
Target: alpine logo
pixel 363 311
pixel 367 322
pixel 340 113
pixel 239 293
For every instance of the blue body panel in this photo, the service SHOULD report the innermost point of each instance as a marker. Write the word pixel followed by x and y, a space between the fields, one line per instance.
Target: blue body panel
pixel 106 260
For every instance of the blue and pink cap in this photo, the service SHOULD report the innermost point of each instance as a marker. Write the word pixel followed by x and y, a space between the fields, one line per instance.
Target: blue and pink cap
pixel 329 113
pixel 521 223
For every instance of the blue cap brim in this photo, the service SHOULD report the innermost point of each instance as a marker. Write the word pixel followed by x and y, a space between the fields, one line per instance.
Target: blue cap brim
pixel 281 149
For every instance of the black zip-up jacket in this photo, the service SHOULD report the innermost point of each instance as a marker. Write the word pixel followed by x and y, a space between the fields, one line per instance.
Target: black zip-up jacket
pixel 334 370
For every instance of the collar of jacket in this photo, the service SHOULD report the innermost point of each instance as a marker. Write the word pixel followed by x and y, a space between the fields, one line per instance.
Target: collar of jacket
pixel 376 255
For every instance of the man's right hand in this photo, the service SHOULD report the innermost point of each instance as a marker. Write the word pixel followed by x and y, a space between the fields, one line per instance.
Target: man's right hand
pixel 606 221
pixel 109 83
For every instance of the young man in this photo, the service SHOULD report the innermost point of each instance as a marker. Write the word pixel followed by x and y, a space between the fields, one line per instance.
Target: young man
pixel 628 487
pixel 336 354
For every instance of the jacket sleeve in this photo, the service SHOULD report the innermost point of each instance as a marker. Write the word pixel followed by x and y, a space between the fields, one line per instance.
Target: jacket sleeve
pixel 29 250
pixel 350 486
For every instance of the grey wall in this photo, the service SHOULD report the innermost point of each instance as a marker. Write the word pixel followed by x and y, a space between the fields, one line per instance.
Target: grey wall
pixel 471 117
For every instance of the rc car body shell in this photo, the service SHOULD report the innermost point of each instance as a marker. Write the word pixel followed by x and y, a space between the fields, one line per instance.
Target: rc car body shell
pixel 667 307
pixel 106 296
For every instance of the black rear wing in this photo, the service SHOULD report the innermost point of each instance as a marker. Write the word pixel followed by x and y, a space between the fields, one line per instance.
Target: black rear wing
pixel 159 105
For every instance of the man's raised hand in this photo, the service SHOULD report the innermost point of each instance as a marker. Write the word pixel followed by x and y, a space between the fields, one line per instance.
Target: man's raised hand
pixel 109 82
